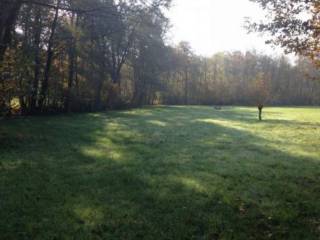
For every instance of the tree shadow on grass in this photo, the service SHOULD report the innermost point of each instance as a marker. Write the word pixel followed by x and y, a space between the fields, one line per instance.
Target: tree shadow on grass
pixel 158 175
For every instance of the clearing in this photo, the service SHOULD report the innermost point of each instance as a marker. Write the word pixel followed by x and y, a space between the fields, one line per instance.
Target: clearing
pixel 162 173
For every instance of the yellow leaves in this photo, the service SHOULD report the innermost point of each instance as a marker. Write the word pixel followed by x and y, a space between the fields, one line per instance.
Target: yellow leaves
pixel 260 88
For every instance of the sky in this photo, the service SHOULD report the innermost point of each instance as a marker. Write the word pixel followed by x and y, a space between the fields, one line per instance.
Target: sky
pixel 212 26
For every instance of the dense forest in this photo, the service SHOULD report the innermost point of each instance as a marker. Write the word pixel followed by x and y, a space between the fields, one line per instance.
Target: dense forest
pixel 92 55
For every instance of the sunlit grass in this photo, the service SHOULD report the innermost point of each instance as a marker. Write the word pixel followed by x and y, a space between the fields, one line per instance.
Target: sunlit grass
pixel 162 173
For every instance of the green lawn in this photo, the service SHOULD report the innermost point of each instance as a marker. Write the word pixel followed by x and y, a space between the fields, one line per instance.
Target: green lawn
pixel 162 173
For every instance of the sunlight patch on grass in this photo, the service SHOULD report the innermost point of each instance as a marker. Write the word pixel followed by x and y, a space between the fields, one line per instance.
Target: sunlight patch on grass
pixel 229 124
pixel 158 123
pixel 96 152
pixel 10 165
pixel 91 216
pixel 139 112
pixel 113 126
pixel 192 184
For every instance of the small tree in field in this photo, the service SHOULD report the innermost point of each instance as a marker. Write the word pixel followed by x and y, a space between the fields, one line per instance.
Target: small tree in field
pixel 260 92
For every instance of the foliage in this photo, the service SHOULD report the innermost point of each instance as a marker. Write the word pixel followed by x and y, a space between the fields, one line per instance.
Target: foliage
pixel 294 25
pixel 230 79
pixel 75 51
pixel 74 56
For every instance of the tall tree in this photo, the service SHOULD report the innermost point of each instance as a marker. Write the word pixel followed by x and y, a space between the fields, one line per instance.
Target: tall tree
pixel 9 10
pixel 45 82
pixel 293 25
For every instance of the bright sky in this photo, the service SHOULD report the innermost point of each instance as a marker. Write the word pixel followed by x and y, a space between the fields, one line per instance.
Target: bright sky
pixel 216 25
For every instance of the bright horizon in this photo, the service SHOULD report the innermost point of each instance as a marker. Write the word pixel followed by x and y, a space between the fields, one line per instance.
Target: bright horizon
pixel 212 26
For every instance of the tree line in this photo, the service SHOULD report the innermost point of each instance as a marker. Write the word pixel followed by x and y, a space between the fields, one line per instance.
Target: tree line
pixel 238 78
pixel 92 55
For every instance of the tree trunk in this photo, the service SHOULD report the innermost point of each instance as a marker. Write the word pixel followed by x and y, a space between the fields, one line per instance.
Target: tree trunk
pixel 186 88
pixel 22 100
pixel 99 84
pixel 113 96
pixel 260 108
pixel 45 83
pixel 9 11
pixel 37 61
pixel 72 57
pixel 114 90
pixel 137 89
pixel 97 100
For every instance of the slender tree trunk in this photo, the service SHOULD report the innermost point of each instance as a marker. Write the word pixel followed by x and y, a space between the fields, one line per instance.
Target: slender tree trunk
pixel 72 57
pixel 114 90
pixel 99 85
pixel 9 11
pixel 22 100
pixel 138 88
pixel 186 95
pixel 37 61
pixel 45 83
pixel 260 108
pixel 76 79
pixel 97 100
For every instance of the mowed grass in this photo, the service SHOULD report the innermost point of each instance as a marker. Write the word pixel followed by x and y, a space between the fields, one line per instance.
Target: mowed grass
pixel 162 173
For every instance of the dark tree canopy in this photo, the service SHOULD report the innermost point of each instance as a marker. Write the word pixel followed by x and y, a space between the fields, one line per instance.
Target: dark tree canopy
pixel 92 55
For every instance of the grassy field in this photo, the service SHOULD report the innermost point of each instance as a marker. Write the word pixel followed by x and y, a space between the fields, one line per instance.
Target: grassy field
pixel 162 173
